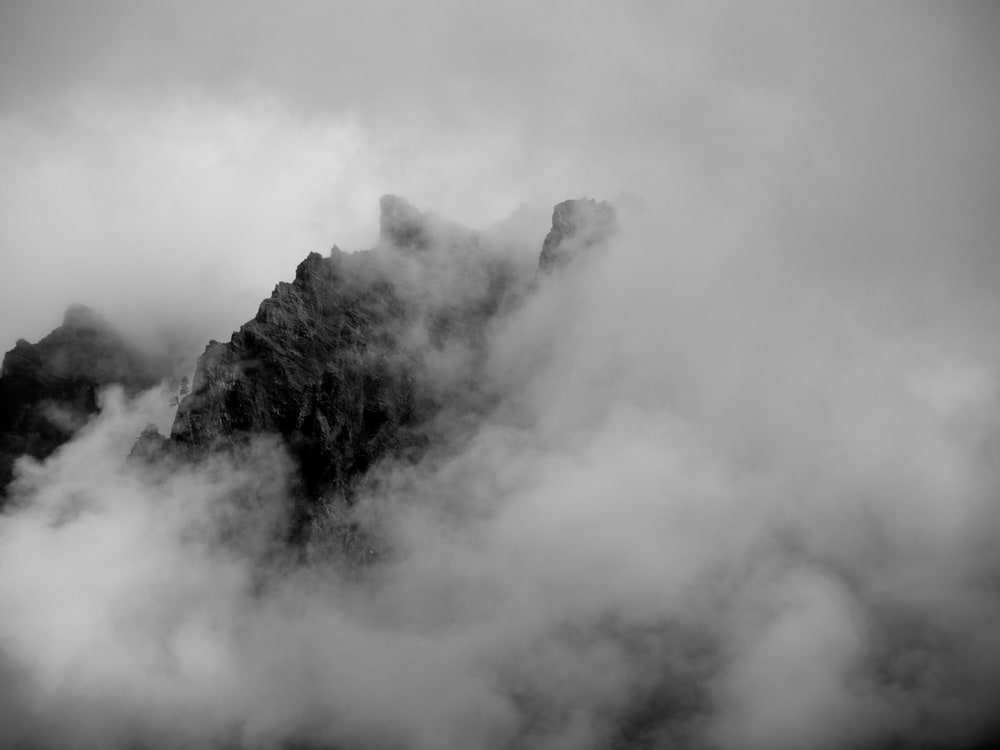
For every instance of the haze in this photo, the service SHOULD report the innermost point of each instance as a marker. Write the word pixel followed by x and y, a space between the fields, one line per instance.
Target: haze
pixel 743 465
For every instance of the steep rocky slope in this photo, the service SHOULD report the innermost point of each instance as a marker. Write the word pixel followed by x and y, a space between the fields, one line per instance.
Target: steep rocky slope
pixel 48 390
pixel 345 362
pixel 577 226
pixel 362 357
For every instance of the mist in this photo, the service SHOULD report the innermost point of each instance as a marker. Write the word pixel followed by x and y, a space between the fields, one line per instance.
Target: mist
pixel 738 486
pixel 692 519
pixel 167 166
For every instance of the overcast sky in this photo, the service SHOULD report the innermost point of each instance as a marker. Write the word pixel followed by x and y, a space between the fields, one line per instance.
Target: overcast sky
pixel 167 163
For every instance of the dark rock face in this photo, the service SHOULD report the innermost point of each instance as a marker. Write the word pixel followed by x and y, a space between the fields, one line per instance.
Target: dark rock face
pixel 577 225
pixel 320 365
pixel 335 362
pixel 343 364
pixel 48 390
pixel 401 224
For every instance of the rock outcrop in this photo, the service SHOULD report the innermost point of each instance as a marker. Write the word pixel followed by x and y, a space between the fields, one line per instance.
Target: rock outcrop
pixel 336 362
pixel 577 226
pixel 320 364
pixel 48 390
pixel 401 224
pixel 362 357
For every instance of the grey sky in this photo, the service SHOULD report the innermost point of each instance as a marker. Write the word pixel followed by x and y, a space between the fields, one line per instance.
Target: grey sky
pixel 168 162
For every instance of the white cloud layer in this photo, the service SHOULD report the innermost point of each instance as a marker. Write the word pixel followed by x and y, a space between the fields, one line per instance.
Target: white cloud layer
pixel 171 163
pixel 723 515
pixel 741 487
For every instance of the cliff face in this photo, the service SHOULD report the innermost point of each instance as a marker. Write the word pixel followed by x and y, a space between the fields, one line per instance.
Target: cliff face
pixel 320 364
pixel 363 356
pixel 338 362
pixel 48 390
pixel 577 226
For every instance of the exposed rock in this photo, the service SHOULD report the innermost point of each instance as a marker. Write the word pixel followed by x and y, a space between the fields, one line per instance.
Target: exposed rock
pixel 336 362
pixel 49 390
pixel 404 227
pixel 320 364
pixel 401 224
pixel 577 225
pixel 362 357
pixel 330 361
pixel 151 445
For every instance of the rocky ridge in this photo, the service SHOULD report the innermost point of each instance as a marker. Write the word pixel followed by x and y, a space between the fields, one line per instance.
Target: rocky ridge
pixel 577 226
pixel 338 362
pixel 49 390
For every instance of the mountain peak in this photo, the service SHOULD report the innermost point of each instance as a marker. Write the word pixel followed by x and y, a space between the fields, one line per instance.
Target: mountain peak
pixel 402 224
pixel 63 374
pixel 80 316
pixel 577 224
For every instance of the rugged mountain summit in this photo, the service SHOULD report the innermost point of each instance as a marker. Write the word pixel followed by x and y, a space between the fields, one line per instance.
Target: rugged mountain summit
pixel 402 225
pixel 48 390
pixel 362 357
pixel 577 226
pixel 341 361
pixel 337 362
pixel 320 364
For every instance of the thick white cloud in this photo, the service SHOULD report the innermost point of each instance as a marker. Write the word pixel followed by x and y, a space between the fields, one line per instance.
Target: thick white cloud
pixel 692 516
pixel 139 141
pixel 741 478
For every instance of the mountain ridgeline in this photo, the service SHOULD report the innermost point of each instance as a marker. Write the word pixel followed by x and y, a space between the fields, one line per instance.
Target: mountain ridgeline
pixel 363 357
pixel 50 389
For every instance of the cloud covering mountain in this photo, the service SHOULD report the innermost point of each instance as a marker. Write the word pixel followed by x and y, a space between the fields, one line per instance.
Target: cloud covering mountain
pixel 729 483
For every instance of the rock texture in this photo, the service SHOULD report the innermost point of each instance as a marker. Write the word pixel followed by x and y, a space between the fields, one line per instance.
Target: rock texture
pixel 362 357
pixel 577 226
pixel 401 224
pixel 48 390
pixel 320 364
pixel 336 362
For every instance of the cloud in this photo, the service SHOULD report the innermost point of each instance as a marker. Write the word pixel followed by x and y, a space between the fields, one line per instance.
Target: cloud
pixel 148 213
pixel 658 534
pixel 738 486
pixel 186 159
